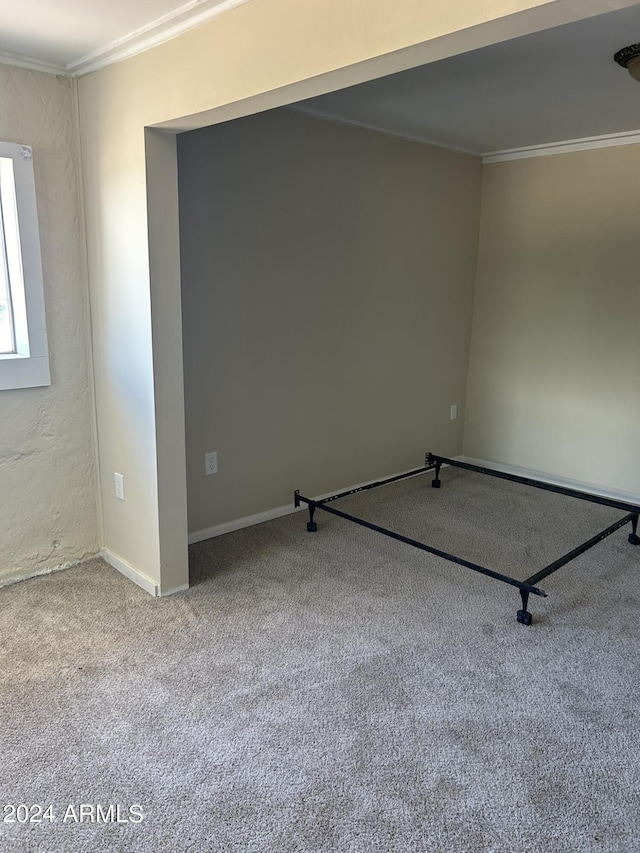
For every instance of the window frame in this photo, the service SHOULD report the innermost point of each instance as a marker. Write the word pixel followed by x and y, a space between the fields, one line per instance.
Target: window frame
pixel 28 366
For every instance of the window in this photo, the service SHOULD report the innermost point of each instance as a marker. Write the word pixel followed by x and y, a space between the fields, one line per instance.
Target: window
pixel 24 355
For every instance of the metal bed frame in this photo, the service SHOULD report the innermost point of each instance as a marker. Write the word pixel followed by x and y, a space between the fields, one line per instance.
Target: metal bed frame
pixel 526 587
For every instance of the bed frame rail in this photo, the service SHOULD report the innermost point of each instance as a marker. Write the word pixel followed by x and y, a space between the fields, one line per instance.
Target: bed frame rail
pixel 434 463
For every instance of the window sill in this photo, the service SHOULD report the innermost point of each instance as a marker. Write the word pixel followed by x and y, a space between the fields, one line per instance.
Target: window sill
pixel 19 372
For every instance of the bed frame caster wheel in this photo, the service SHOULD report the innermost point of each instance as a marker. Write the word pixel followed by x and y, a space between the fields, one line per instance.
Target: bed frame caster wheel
pixel 524 617
pixel 634 539
pixel 312 526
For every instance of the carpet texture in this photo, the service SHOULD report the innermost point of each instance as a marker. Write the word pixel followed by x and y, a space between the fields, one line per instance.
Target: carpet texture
pixel 336 691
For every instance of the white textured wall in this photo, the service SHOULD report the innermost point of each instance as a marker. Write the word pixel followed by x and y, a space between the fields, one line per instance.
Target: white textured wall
pixel 47 493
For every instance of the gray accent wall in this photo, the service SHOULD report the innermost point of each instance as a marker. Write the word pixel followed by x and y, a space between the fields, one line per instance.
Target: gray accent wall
pixel 327 292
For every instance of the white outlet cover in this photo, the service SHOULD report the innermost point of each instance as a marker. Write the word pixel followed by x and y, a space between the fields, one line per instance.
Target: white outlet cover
pixel 119 484
pixel 211 463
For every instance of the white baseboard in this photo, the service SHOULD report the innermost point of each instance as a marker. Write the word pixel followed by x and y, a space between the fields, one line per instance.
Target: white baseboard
pixel 239 523
pixel 276 512
pixel 130 571
pixel 578 485
pixel 164 592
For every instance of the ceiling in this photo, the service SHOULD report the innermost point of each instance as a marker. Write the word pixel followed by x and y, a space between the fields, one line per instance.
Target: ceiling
pixel 81 35
pixel 557 85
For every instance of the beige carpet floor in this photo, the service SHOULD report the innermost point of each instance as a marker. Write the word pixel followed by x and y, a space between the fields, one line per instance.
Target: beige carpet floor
pixel 336 691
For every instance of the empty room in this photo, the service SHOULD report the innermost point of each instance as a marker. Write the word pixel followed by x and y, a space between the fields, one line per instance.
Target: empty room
pixel 319 389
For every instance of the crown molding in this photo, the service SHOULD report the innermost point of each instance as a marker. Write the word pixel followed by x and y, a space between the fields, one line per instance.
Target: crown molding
pixel 182 19
pixel 20 61
pixel 588 143
pixel 422 140
pixel 611 140
pixel 163 29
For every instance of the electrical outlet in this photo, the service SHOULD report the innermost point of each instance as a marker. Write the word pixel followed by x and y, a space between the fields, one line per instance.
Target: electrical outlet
pixel 211 463
pixel 453 412
pixel 119 482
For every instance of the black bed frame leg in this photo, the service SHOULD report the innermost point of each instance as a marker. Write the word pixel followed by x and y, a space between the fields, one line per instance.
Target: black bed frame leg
pixel 633 536
pixel 436 481
pixel 311 524
pixel 523 616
